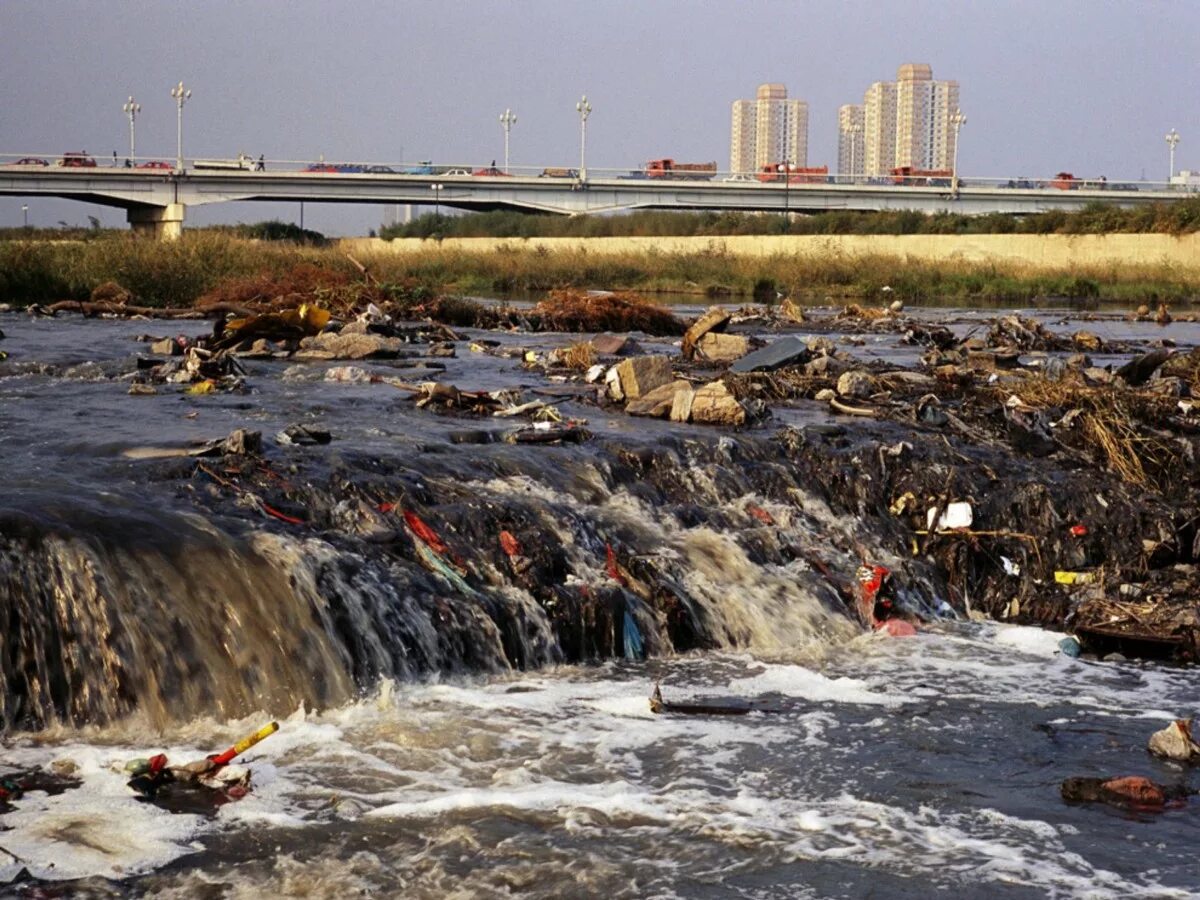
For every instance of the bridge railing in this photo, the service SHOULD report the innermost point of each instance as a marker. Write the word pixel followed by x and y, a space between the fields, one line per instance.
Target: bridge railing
pixel 455 171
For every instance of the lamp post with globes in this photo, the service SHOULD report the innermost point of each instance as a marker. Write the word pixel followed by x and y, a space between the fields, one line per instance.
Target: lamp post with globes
pixel 437 202
pixel 181 96
pixel 584 109
pixel 131 109
pixel 1172 143
pixel 958 120
pixel 508 119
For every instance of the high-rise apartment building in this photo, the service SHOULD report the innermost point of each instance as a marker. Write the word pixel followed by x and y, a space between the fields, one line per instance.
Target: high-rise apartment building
pixel 768 129
pixel 851 139
pixel 906 122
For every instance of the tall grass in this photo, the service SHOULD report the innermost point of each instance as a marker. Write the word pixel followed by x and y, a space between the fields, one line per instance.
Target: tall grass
pixel 176 274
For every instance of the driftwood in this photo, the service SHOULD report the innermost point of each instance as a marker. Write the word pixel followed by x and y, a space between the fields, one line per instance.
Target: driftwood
pixel 100 308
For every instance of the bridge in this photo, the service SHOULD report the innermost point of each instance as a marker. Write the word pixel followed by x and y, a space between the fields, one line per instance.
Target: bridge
pixel 156 197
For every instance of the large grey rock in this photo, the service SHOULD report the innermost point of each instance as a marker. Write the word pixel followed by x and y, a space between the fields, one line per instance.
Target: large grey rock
pixel 715 319
pixel 719 348
pixel 351 346
pixel 714 405
pixel 607 344
pixel 658 402
pixel 784 352
pixel 642 374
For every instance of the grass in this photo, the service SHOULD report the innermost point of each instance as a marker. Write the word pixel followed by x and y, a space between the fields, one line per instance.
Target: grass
pixel 212 263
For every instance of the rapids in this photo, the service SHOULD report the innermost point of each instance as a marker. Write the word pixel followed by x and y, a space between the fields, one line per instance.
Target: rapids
pixel 441 742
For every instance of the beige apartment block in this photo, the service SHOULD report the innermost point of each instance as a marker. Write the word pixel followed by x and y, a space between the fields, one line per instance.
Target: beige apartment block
pixel 768 129
pixel 906 122
pixel 851 139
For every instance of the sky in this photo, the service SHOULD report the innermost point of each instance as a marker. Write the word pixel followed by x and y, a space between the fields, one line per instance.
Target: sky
pixel 1086 86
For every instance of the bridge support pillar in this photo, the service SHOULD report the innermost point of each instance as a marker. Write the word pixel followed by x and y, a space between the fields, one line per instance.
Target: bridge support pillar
pixel 162 222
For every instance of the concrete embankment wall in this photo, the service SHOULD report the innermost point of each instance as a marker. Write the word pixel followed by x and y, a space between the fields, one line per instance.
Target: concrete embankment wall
pixel 1036 251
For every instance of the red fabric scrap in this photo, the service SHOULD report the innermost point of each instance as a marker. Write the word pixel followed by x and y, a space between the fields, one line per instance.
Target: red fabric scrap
pixel 425 533
pixel 509 544
pixel 614 570
pixel 761 514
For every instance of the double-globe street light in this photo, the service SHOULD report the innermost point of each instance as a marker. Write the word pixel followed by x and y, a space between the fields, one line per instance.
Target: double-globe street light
pixel 958 120
pixel 131 109
pixel 584 109
pixel 1172 143
pixel 508 119
pixel 181 97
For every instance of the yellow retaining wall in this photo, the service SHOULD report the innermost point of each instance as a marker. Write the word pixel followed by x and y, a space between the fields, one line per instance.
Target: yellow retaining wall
pixel 1039 251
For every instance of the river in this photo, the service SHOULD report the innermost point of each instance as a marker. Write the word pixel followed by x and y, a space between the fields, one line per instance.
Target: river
pixel 415 758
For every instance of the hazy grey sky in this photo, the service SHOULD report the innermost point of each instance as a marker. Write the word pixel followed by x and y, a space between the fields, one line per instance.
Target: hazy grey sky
pixel 1083 85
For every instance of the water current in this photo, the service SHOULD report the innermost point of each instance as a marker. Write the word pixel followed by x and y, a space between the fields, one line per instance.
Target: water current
pixel 409 765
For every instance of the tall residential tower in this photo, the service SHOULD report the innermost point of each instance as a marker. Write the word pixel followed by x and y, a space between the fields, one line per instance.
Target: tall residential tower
pixel 905 122
pixel 768 129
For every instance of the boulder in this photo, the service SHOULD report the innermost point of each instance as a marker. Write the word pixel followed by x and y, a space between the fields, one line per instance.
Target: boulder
pixel 716 319
pixel 713 404
pixel 657 403
pixel 827 365
pixel 855 383
pixel 349 346
pixel 788 351
pixel 1138 370
pixel 1176 742
pixel 818 343
pixel 1087 341
pixel 615 345
pixel 111 292
pixel 722 348
pixel 642 374
pixel 681 405
pixel 166 347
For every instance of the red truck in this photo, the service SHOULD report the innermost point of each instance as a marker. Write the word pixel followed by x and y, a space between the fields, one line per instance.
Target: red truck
pixel 795 174
pixel 668 168
pixel 921 177
pixel 1065 181
pixel 77 160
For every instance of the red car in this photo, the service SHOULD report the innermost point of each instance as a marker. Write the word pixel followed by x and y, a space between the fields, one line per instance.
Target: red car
pixel 79 160
pixel 321 167
pixel 491 171
pixel 154 164
pixel 29 161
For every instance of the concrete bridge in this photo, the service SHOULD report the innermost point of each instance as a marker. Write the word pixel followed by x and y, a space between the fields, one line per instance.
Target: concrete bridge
pixel 156 199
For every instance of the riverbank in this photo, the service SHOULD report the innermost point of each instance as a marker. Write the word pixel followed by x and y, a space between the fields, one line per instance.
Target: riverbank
pixel 970 269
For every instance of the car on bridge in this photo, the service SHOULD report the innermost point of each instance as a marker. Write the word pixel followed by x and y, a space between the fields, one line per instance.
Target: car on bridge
pixel 491 172
pixel 77 160
pixel 321 167
pixel 424 167
pixel 379 170
pixel 456 171
pixel 28 161
pixel 154 164
pixel 555 172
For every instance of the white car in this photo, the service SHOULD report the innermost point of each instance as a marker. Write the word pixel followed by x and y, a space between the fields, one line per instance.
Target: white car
pixel 457 172
pixel 739 176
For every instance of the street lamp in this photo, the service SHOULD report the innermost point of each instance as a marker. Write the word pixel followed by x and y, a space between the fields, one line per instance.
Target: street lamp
pixel 181 97
pixel 131 109
pixel 508 119
pixel 25 213
pixel 958 120
pixel 584 109
pixel 1172 143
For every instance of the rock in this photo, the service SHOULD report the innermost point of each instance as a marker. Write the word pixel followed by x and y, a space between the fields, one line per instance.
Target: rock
pixel 855 383
pixel 1078 361
pixel 784 352
pixel 349 346
pixel 825 395
pixel 166 347
pixel 303 436
pixel 1130 790
pixel 607 344
pixel 1087 341
pixel 1175 742
pixel 714 405
pixel 721 348
pixel 1182 365
pixel 1163 316
pixel 1097 375
pixel 111 292
pixel 820 344
pixel 349 374
pixel 896 306
pixel 657 403
pixel 1139 369
pixel 145 390
pixel 715 319
pixel 642 374
pixel 791 310
pixel 681 405
pixel 1142 310
pixel 1167 387
pixel 827 365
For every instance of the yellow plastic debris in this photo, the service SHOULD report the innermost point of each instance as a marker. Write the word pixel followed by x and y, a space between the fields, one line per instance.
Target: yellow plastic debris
pixel 1074 577
pixel 207 386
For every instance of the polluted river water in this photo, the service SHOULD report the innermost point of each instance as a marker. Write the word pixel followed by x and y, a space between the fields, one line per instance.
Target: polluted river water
pixel 438 746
